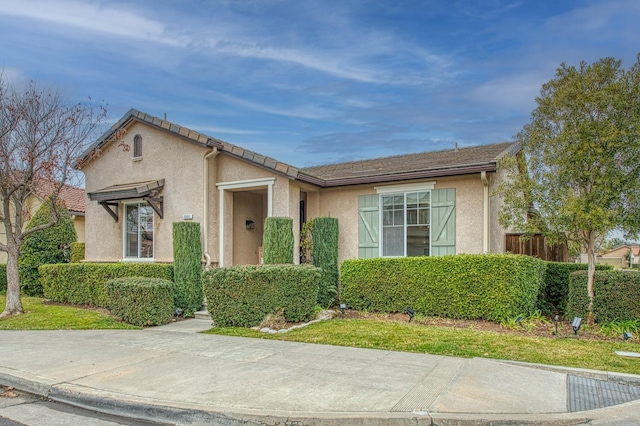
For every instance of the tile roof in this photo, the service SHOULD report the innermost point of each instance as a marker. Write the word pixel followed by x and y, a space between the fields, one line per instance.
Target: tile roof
pixel 424 164
pixel 189 135
pixel 387 169
pixel 73 197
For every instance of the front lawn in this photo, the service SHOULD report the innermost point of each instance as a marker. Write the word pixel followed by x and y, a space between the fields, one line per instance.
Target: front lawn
pixel 564 350
pixel 42 316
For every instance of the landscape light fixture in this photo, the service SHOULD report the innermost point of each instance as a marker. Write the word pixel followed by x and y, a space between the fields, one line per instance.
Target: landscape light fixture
pixel 342 308
pixel 626 336
pixel 249 224
pixel 178 312
pixel 576 324
pixel 555 320
pixel 410 312
pixel 519 321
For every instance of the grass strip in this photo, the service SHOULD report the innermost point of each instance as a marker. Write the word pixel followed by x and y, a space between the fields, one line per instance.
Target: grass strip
pixel 41 316
pixel 465 343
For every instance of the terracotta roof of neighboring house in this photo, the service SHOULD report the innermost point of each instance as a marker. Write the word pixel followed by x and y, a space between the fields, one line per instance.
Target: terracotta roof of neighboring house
pixel 425 164
pixel 72 196
pixel 387 169
pixel 635 249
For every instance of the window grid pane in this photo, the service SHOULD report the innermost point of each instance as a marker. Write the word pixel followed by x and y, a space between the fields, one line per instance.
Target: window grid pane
pixel 406 224
pixel 139 231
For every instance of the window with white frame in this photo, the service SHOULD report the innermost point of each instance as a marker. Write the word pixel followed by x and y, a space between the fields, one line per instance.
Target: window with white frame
pixel 406 222
pixel 138 238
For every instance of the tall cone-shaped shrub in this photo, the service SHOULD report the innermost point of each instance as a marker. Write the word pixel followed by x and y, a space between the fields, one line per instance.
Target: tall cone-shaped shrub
pixel 187 267
pixel 277 240
pixel 49 245
pixel 325 257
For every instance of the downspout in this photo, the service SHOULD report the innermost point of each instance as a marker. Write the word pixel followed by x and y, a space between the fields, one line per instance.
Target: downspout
pixel 485 212
pixel 205 197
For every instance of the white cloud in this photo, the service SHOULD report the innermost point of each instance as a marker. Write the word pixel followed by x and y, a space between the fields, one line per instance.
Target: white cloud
pixel 213 130
pixel 307 111
pixel 93 18
pixel 511 93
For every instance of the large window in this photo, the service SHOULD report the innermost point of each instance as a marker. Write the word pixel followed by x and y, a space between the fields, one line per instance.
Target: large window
pixel 406 221
pixel 138 231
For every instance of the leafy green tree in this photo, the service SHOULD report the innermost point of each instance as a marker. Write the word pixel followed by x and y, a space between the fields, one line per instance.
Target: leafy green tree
pixel 49 245
pixel 579 167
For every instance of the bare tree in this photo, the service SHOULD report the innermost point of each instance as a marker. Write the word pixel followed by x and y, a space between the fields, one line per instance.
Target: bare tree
pixel 41 135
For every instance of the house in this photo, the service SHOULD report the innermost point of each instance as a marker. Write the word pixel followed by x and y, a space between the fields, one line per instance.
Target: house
pixel 146 173
pixel 74 199
pixel 621 257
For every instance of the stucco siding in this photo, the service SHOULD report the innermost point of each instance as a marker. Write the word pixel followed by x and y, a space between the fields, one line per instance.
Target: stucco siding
pixel 342 203
pixel 164 156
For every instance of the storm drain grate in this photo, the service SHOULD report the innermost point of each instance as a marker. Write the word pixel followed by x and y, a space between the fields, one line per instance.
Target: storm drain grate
pixel 589 394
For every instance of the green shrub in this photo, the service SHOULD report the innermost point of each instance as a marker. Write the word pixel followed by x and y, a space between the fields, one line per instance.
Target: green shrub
pixel 616 296
pixel 243 295
pixel 491 286
pixel 325 257
pixel 86 283
pixel 3 277
pixel 277 240
pixel 77 252
pixel 554 292
pixel 187 267
pixel 141 301
pixel 50 245
pixel 306 242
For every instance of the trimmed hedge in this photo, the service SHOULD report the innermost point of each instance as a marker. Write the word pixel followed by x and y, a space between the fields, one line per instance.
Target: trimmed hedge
pixel 277 240
pixel 243 295
pixel 77 252
pixel 50 245
pixel 187 267
pixel 554 293
pixel 490 286
pixel 141 301
pixel 86 283
pixel 616 296
pixel 3 277
pixel 325 257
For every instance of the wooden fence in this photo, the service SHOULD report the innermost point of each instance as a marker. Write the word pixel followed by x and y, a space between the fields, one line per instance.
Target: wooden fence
pixel 536 246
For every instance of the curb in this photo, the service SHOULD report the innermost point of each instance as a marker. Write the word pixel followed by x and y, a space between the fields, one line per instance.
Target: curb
pixel 155 411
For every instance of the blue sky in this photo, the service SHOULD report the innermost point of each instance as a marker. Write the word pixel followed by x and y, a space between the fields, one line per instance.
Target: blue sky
pixel 315 82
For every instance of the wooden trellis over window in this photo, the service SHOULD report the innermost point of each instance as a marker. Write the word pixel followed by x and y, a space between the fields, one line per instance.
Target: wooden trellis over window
pixel 149 191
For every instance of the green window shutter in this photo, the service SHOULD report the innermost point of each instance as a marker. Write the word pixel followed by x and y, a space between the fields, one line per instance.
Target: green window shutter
pixel 368 226
pixel 443 222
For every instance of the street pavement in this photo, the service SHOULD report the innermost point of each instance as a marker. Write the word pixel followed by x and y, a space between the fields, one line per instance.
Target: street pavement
pixel 172 374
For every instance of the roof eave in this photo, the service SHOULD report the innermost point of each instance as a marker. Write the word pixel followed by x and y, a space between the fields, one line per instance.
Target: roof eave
pixel 393 177
pixel 141 117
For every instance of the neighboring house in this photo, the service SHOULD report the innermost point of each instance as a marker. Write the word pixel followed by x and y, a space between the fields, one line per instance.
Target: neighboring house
pixel 621 257
pixel 74 199
pixel 146 173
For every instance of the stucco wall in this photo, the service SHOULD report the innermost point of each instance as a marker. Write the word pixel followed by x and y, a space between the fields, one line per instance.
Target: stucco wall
pixel 342 203
pixel 230 169
pixel 78 225
pixel 247 206
pixel 165 156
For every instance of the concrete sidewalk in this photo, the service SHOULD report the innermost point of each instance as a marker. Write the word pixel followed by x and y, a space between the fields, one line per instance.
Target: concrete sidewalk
pixel 173 375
